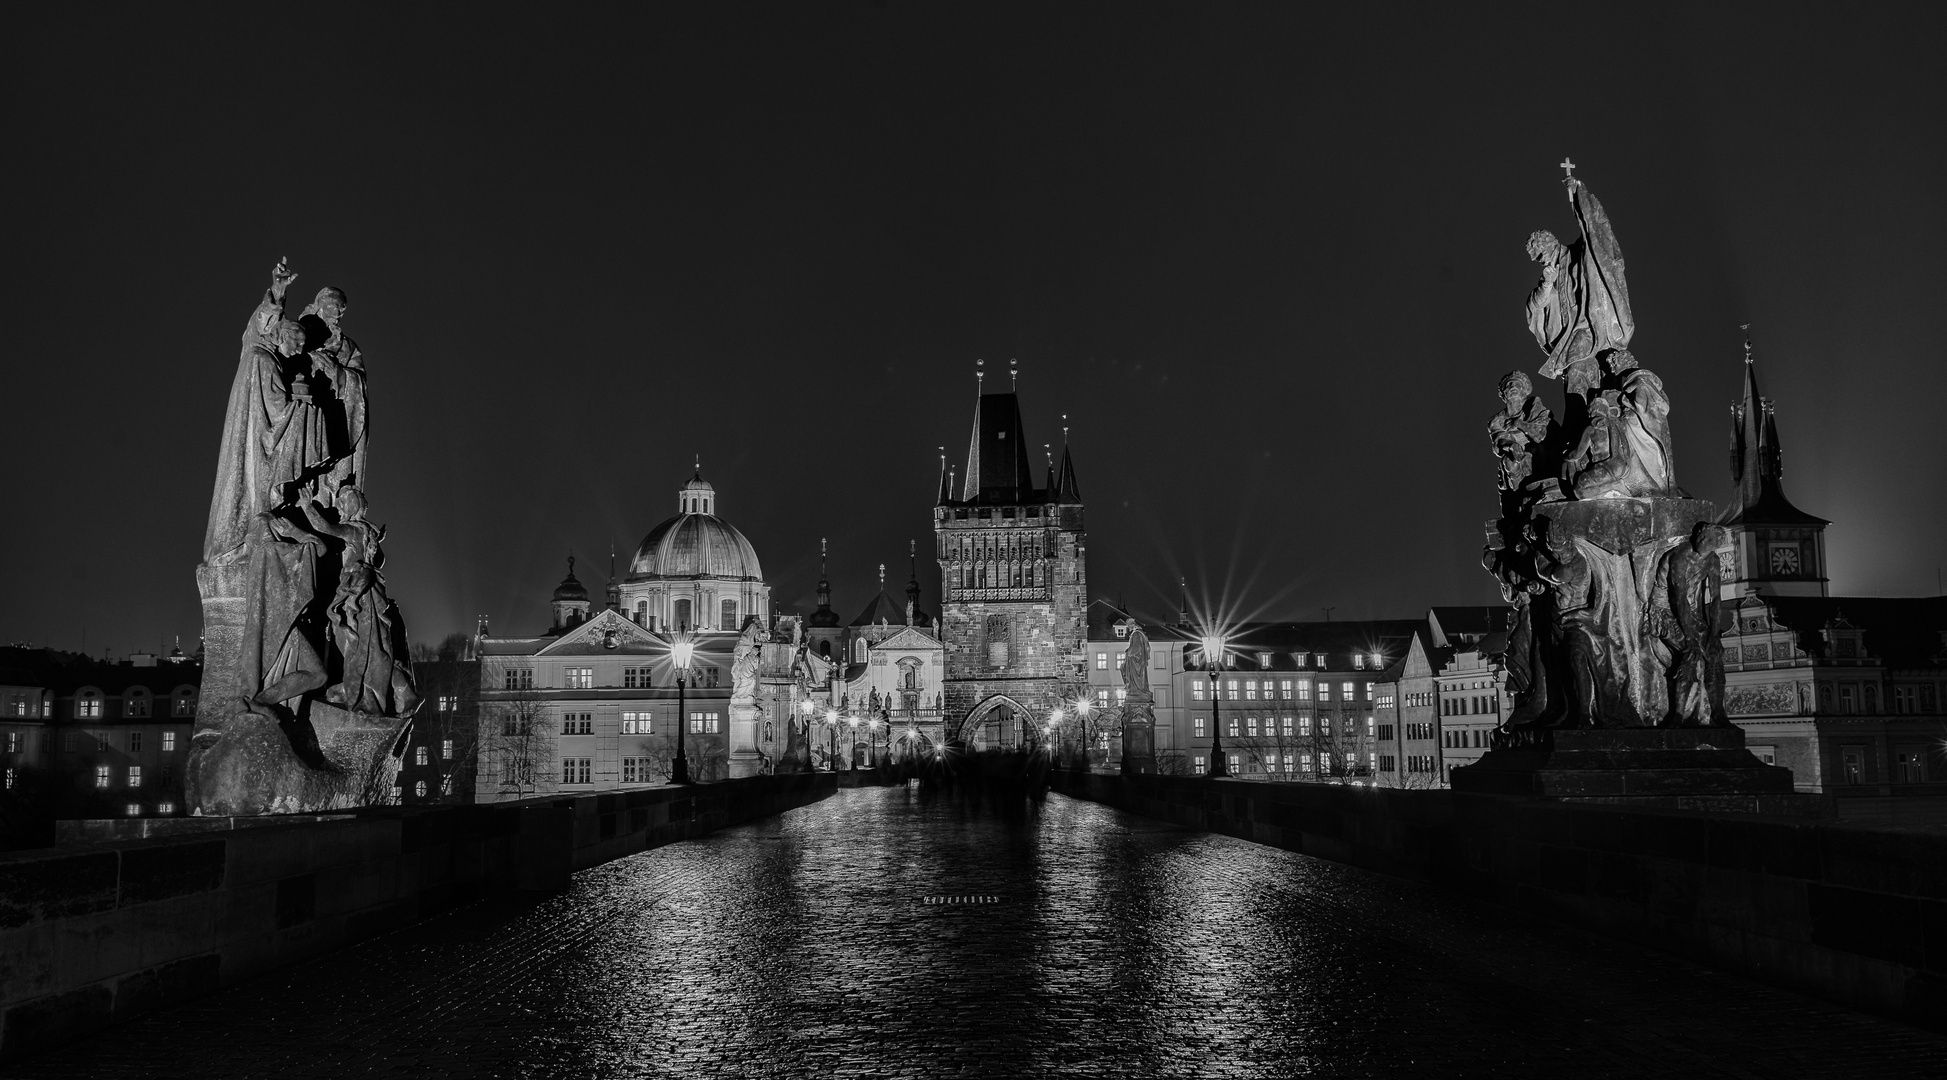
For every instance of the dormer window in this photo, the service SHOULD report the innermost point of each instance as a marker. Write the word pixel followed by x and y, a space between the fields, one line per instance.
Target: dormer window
pixel 88 705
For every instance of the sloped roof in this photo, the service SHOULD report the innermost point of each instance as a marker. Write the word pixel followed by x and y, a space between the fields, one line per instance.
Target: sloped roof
pixel 1903 632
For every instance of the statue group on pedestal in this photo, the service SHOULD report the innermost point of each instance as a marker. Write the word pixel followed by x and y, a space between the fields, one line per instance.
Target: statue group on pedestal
pixel 1610 566
pixel 292 579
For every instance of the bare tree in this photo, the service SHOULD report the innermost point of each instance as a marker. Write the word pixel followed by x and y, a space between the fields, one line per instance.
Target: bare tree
pixel 513 738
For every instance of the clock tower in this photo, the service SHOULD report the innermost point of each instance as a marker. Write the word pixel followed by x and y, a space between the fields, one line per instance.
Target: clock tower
pixel 1774 549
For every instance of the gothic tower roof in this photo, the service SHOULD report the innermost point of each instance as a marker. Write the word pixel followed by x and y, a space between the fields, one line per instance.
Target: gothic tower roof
pixel 1757 461
pixel 998 458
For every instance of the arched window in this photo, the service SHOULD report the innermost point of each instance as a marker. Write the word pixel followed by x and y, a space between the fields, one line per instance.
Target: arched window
pixel 729 616
pixel 679 614
pixel 825 649
pixel 642 613
pixel 912 679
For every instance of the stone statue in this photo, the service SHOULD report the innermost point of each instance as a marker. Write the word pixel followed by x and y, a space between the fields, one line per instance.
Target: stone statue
pixel 1580 308
pixel 744 664
pixel 365 623
pixel 1519 430
pixel 335 357
pixel 1602 556
pixel 1683 616
pixel 1135 664
pixel 292 595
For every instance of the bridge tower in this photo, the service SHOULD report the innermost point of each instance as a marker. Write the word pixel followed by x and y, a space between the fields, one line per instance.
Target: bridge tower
pixel 1014 569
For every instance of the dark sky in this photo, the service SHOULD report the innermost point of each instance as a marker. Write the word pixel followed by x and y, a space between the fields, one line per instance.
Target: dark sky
pixel 1270 264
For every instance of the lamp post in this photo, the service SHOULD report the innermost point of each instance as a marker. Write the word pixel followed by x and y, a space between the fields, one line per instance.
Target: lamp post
pixel 1079 759
pixel 872 741
pixel 681 651
pixel 1213 654
pixel 1054 723
pixel 853 763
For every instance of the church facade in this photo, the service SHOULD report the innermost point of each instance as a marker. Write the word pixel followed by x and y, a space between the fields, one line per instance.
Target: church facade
pixel 1849 693
pixel 1013 558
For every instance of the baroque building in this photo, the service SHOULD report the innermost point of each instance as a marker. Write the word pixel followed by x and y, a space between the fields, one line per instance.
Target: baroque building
pixel 1013 560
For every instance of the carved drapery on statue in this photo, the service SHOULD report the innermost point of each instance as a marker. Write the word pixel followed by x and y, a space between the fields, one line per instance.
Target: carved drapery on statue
pixel 306 685
pixel 1609 565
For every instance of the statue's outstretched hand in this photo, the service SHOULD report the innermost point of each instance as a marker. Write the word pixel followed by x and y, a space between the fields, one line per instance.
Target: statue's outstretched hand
pixel 281 278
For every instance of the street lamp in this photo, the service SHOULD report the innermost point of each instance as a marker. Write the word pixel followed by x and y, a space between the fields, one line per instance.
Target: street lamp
pixel 872 740
pixel 682 650
pixel 1079 760
pixel 1213 655
pixel 854 762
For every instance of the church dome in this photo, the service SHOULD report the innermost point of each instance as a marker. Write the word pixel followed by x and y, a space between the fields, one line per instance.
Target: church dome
pixel 695 546
pixel 570 588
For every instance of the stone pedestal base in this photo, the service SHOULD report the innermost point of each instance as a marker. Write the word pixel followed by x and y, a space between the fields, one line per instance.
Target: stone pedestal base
pixel 745 759
pixel 1138 738
pixel 329 760
pixel 1705 768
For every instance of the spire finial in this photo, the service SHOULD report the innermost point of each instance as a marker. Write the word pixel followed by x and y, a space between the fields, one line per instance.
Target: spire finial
pixel 1746 327
pixel 882 577
pixel 1011 372
pixel 571 564
pixel 1568 169
pixel 1048 451
pixel 1064 429
pixel 980 376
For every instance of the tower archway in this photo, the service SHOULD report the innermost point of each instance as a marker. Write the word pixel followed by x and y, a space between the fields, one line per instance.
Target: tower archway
pixel 997 723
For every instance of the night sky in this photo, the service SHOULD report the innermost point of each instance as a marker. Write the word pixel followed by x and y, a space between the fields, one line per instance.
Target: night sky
pixel 1270 266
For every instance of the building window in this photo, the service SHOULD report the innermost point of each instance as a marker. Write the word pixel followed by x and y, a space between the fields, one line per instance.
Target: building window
pixel 680 613
pixel 68 742
pixel 1345 691
pixel 579 678
pixel 1101 661
pixel 135 776
pixel 1250 725
pixel 133 809
pixel 420 757
pixel 1324 691
pixel 13 742
pixel 1231 728
pixel 632 679
pixel 1370 726
pixel 1250 689
pixel 1230 689
pixel 1196 727
pixel 1284 689
pixel 576 770
pixel 101 776
pixel 1101 699
pixel 88 707
pixel 729 621
pixel 11 777
pixel 1766 754
pixel 1233 763
pixel 1199 765
pixel 520 679
pixel 1305 726
pixel 997 650
pixel 136 705
pixel 705 723
pixel 419 789
pixel 1359 661
pixel 1196 690
pixel 576 724
pixel 629 770
pixel 168 742
pixel 1287 727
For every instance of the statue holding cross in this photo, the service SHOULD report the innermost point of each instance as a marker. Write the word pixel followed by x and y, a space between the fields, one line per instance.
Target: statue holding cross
pixel 1580 309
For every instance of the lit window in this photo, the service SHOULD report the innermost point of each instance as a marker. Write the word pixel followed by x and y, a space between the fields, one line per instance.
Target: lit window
pixel 135 776
pixel 1250 727
pixel 1196 727
pixel 1304 691
pixel 89 707
pixel 1287 726
pixel 446 748
pixel 1196 690
pixel 1200 766
pixel 1101 661
pixel 583 770
pixel 168 742
pixel 13 742
pixel 1324 691
pixel 419 788
pixel 579 679
pixel 420 757
pixel 1359 661
pixel 1232 726
pixel 101 776
pixel 1250 689
pixel 1284 689
pixel 1370 726
pixel 1345 691
pixel 165 808
pixel 133 809
pixel 1233 763
pixel 1121 694
pixel 1305 725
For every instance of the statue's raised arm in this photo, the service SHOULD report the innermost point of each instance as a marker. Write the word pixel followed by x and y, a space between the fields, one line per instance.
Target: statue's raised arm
pixel 1607 294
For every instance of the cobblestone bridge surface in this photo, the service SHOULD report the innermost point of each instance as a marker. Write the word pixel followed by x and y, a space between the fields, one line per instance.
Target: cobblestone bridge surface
pixel 1108 946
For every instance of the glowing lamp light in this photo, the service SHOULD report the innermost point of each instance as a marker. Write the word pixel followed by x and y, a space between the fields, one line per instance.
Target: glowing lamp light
pixel 831 716
pixel 682 651
pixel 1213 648
pixel 1054 717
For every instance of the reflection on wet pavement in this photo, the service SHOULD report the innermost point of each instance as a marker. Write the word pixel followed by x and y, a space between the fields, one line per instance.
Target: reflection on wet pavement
pixel 893 932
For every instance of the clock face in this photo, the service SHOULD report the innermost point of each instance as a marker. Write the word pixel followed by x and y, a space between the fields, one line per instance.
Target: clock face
pixel 1784 560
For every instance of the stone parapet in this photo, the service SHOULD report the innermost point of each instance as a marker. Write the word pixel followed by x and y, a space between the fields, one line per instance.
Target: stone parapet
pixel 1846 913
pixel 123 921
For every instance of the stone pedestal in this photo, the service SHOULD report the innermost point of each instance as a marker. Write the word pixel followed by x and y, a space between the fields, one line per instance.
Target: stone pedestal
pixel 327 759
pixel 1138 735
pixel 1699 768
pixel 745 760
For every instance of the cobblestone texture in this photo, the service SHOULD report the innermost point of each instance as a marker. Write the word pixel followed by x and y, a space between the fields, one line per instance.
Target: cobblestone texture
pixel 805 946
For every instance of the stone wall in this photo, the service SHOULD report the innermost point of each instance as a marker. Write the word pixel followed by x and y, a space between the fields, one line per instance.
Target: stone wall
pixel 100 932
pixel 1850 914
